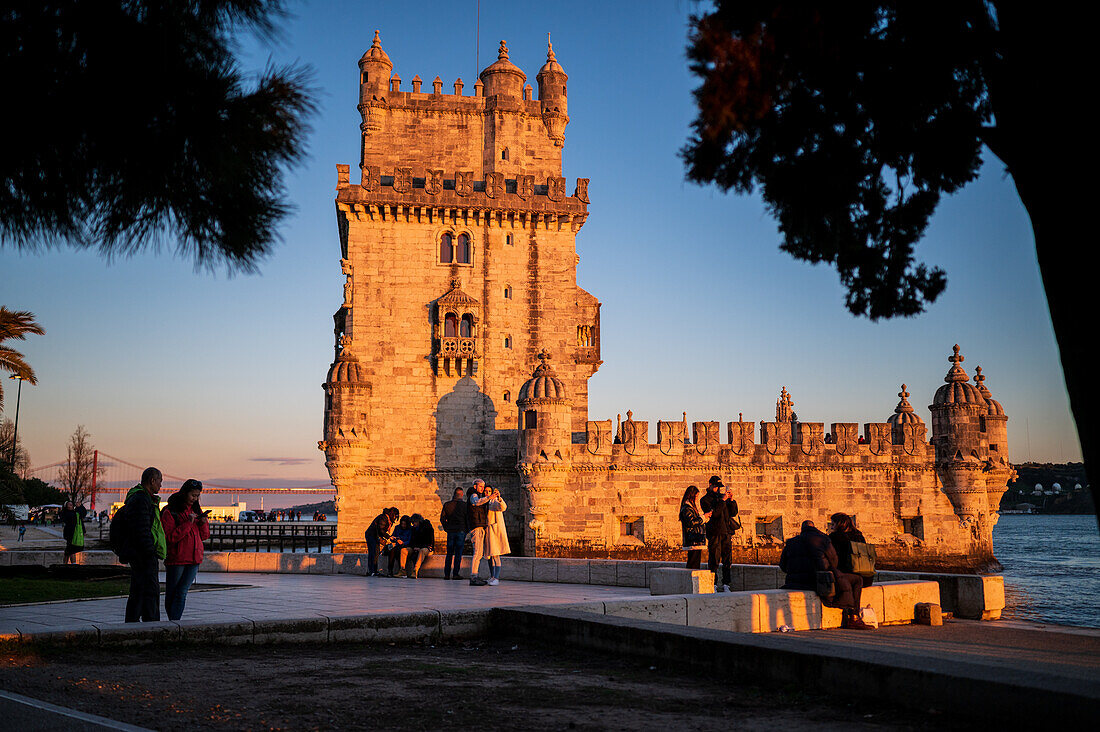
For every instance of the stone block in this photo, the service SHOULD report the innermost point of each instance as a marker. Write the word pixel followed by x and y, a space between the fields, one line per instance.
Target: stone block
pixel 5 558
pixel 733 611
pixel 517 569
pixel 671 609
pixel 418 625
pixel 350 563
pixel 322 564
pixel 798 609
pixel 291 630
pixel 630 573
pixel 97 558
pixel 670 581
pixel 233 633
pixel 268 562
pixel 23 559
pixel 592 606
pixel 463 624
pixel 980 597
pixel 60 637
pixel 602 572
pixel 242 562
pixel 762 577
pixel 137 634
pixel 294 563
pixel 544 570
pixel 927 613
pixel 873 596
pixel 432 566
pixel 650 566
pixel 573 571
pixel 215 562
pixel 900 599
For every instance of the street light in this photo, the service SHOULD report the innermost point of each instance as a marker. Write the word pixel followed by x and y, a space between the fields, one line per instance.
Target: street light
pixel 15 434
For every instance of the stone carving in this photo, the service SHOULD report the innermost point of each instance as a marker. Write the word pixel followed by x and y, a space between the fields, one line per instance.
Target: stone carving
pixel 464 182
pixel 777 437
pixel 630 434
pixel 433 182
pixel 345 267
pixel 705 437
pixel 670 436
pixel 494 185
pixel 555 188
pixel 525 186
pixel 741 436
pixel 847 438
pixel 581 193
pixel 812 436
pixel 914 438
pixel 402 180
pixel 372 178
pixel 343 175
pixel 879 438
pixel 599 438
pixel 784 407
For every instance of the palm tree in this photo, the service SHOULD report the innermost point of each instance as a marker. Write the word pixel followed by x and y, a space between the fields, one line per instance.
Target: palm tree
pixel 16 324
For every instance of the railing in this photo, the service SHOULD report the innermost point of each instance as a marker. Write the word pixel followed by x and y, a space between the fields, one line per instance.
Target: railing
pixel 245 536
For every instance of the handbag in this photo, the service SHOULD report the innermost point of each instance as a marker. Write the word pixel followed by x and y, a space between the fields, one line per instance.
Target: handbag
pixel 863 559
pixel 78 532
pixel 826 585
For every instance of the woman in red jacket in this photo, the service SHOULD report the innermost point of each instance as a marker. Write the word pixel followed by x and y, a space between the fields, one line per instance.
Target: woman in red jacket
pixel 185 528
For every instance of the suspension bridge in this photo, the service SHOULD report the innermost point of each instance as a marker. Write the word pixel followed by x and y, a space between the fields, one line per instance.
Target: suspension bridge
pixel 110 474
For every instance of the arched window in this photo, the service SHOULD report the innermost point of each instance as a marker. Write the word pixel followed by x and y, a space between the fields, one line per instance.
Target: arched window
pixel 507 341
pixel 507 292
pixel 463 249
pixel 507 396
pixel 450 326
pixel 446 249
pixel 509 240
pixel 466 328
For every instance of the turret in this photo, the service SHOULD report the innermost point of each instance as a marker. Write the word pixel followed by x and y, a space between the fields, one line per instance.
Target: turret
pixel 545 437
pixel 347 398
pixel 503 78
pixel 995 422
pixel 375 68
pixel 957 411
pixel 905 426
pixel 553 96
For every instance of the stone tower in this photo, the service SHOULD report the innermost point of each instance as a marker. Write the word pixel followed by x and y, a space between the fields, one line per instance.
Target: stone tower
pixel 458 248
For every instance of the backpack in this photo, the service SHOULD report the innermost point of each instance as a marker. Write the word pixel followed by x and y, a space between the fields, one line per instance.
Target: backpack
pixel 863 559
pixel 121 531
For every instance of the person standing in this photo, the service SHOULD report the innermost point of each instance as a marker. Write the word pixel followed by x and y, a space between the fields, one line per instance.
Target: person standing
pixel 185 529
pixel 496 535
pixel 72 519
pixel 146 547
pixel 452 518
pixel 477 519
pixel 719 503
pixel 693 525
pixel 22 531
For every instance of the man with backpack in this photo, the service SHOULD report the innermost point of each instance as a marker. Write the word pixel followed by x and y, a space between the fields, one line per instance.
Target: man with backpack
pixel 139 541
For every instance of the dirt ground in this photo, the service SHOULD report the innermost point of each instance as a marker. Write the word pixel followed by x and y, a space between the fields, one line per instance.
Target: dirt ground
pixel 484 686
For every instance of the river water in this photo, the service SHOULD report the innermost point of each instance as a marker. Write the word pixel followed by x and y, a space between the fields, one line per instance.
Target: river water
pixel 1051 568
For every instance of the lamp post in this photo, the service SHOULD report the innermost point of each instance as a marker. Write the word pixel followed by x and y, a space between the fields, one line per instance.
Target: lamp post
pixel 15 433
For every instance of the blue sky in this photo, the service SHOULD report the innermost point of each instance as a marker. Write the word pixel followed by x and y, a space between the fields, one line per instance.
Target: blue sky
pixel 219 377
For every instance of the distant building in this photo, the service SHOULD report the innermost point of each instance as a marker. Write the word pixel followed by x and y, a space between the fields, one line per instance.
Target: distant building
pixel 458 245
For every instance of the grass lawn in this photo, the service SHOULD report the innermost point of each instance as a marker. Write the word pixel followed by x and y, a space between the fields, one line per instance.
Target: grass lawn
pixel 15 590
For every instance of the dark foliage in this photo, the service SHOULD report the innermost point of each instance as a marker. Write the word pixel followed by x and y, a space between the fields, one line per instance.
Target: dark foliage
pixel 37 492
pixel 130 126
pixel 852 119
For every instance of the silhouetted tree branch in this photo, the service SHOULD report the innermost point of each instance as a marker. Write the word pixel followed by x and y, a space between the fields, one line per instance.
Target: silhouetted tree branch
pixel 132 126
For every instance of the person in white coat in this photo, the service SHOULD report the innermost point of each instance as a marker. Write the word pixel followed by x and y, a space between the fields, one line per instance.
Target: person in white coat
pixel 496 537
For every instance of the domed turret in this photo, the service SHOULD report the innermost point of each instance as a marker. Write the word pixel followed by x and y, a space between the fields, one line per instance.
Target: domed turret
pixel 375 68
pixel 553 95
pixel 993 406
pixel 957 389
pixel 904 415
pixel 503 78
pixel 995 420
pixel 543 384
pixel 545 413
pixel 346 369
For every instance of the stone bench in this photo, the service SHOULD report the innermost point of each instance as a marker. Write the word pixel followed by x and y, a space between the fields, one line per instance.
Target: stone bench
pixel 673 581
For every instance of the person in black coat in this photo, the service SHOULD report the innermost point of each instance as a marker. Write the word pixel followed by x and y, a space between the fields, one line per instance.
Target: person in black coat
pixel 693 523
pixel 719 503
pixel 842 532
pixel 420 546
pixel 69 516
pixel 811 552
